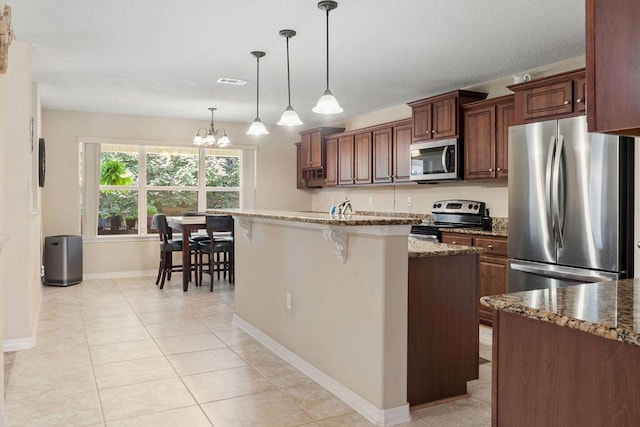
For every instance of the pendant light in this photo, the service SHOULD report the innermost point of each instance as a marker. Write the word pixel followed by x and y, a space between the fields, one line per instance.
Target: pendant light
pixel 208 138
pixel 327 104
pixel 289 117
pixel 257 127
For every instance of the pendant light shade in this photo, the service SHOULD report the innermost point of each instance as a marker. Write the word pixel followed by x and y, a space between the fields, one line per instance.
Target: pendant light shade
pixel 257 127
pixel 327 104
pixel 289 117
pixel 207 138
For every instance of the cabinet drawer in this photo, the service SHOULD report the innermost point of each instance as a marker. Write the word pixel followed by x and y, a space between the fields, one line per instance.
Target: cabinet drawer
pixel 494 246
pixel 457 239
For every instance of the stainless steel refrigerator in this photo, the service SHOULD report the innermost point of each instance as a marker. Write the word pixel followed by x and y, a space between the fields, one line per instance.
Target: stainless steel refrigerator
pixel 570 205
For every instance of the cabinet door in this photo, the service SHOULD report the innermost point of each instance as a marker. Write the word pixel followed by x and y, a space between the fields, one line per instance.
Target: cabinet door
pixel 479 143
pixel 305 152
pixel 444 118
pixel 345 160
pixel 331 166
pixel 316 160
pixel 299 175
pixel 382 155
pixel 493 281
pixel 580 94
pixel 421 120
pixel 402 153
pixel 362 158
pixel 548 100
pixel 505 117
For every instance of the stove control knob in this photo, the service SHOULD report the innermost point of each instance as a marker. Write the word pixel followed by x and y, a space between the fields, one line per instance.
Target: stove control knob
pixel 439 205
pixel 470 206
pixel 476 207
pixel 435 206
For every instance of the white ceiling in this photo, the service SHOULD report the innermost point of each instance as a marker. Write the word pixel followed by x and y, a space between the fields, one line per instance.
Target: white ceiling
pixel 162 57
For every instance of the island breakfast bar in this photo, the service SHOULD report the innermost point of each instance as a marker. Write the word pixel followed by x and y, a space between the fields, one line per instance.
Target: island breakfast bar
pixel 328 293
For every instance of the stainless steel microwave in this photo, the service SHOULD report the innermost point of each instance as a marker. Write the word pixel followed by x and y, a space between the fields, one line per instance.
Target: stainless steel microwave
pixel 436 161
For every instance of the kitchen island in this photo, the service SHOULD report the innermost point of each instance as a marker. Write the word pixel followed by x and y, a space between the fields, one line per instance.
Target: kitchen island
pixel 567 356
pixel 329 294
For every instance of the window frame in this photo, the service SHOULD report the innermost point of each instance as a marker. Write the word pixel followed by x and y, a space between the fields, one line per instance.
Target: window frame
pixel 91 170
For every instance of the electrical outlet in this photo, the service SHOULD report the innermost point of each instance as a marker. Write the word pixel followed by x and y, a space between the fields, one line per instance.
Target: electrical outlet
pixel 370 201
pixel 288 300
pixel 409 201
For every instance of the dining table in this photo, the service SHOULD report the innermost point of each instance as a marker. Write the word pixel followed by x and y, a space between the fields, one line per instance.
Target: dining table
pixel 184 225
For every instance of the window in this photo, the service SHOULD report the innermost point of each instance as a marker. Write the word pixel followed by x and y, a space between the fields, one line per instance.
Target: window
pixel 130 183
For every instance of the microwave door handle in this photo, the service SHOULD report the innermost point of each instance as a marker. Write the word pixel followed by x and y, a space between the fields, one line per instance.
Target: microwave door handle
pixel 558 191
pixel 445 165
pixel 549 186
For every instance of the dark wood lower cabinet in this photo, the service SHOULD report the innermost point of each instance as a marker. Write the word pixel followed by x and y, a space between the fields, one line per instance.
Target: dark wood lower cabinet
pixel 493 281
pixel 442 346
pixel 548 375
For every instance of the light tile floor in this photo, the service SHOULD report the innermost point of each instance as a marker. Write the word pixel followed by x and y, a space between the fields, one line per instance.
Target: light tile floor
pixel 124 353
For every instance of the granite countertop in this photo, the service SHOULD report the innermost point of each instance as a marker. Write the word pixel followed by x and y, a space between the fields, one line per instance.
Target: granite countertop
pixel 609 310
pixel 318 217
pixel 423 249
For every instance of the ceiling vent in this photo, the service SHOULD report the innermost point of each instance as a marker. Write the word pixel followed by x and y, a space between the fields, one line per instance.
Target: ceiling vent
pixel 227 81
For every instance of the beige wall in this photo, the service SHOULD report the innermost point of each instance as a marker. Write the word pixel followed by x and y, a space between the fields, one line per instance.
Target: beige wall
pixel 347 319
pixel 395 198
pixel 275 176
pixel 2 231
pixel 21 282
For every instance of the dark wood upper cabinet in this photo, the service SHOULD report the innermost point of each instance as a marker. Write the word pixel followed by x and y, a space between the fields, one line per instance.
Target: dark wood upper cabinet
pixel 299 175
pixel 313 156
pixel 437 117
pixel 402 152
pixel 345 160
pixel 613 61
pixel 383 155
pixel 505 117
pixel 362 158
pixel 332 162
pixel 559 96
pixel 486 137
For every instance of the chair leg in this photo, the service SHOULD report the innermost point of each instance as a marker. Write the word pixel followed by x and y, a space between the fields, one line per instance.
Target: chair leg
pixel 232 267
pixel 169 264
pixel 164 269
pixel 212 257
pixel 159 270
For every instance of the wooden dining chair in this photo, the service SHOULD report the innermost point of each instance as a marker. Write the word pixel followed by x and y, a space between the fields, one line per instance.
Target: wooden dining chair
pixel 219 249
pixel 169 245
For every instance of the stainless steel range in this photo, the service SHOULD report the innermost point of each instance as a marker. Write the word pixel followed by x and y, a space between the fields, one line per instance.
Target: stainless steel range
pixel 449 214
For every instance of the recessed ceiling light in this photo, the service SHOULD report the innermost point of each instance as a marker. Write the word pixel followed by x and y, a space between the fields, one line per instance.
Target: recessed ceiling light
pixel 228 81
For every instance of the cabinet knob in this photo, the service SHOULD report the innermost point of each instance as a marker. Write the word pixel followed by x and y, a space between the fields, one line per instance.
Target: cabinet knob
pixel 454 242
pixel 490 169
pixel 578 101
pixel 490 246
pixel 433 131
pixel 498 169
pixel 566 102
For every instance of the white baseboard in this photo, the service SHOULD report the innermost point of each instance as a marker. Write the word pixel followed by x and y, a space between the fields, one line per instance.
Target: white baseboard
pixel 380 417
pixel 118 274
pixel 25 343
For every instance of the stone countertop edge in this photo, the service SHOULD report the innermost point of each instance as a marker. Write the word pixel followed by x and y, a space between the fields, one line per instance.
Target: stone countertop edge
pixel 423 249
pixel 616 294
pixel 496 232
pixel 318 217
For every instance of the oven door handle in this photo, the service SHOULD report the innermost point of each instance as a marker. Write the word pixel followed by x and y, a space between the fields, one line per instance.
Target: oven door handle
pixel 445 158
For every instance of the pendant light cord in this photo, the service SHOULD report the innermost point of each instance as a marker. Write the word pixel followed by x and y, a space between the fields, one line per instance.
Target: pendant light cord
pixel 257 85
pixel 327 49
pixel 288 75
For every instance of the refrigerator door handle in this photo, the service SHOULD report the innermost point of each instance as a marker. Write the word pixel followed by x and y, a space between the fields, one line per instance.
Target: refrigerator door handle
pixel 549 187
pixel 559 273
pixel 557 161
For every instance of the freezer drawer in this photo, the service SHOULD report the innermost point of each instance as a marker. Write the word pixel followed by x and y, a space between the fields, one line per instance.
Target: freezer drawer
pixel 527 276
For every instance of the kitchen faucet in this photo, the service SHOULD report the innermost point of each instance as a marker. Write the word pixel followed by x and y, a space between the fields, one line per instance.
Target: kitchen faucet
pixel 341 208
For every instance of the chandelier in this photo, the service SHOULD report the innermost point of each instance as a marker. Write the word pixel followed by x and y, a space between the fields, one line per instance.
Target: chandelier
pixel 212 136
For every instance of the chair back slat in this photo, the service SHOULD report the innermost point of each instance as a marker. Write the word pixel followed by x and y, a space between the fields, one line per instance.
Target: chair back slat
pixel 159 222
pixel 219 224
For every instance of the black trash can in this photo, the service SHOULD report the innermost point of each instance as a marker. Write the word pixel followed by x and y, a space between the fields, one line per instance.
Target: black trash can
pixel 62 260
